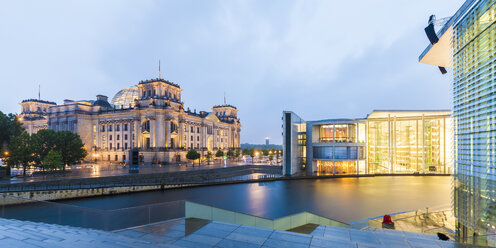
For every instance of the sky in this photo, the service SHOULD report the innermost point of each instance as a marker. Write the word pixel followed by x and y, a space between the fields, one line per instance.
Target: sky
pixel 320 59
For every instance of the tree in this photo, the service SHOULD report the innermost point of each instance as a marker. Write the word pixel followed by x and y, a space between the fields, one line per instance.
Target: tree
pixel 273 150
pixel 271 157
pixel 71 147
pixel 265 152
pixel 230 154
pixel 192 155
pixel 10 127
pixel 53 160
pixel 237 153
pixel 20 152
pixel 43 142
pixel 245 151
pixel 209 156
pixel 261 154
pixel 251 152
pixel 219 153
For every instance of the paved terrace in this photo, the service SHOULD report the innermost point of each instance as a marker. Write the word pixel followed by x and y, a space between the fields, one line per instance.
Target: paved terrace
pixel 199 233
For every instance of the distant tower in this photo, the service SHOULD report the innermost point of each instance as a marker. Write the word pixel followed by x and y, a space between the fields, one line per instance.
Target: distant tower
pixel 267 141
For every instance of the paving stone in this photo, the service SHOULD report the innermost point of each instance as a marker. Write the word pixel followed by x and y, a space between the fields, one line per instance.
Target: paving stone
pixel 229 227
pixel 254 231
pixel 188 244
pixel 202 239
pixel 246 238
pixel 326 242
pixel 14 243
pixel 226 243
pixel 213 232
pixel 291 237
pixel 277 243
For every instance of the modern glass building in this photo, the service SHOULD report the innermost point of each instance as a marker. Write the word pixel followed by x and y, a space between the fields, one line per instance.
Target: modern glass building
pixel 467 44
pixel 385 142
pixel 294 143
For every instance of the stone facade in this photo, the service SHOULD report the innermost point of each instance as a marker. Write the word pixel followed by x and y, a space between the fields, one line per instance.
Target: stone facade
pixel 155 122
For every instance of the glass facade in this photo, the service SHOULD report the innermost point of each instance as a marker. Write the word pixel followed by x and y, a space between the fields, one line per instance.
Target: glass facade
pixel 338 133
pixel 474 83
pixel 337 167
pixel 294 143
pixel 338 152
pixel 409 144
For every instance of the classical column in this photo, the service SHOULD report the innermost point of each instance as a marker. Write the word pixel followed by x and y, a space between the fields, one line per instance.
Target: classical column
pixel 137 136
pixel 153 133
pixel 160 131
pixel 181 134
pixel 167 132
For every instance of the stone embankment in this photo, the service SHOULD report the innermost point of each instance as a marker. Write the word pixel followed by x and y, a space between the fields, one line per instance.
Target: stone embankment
pixel 87 187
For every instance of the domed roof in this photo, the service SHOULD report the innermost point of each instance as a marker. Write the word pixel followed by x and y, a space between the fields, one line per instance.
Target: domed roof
pixel 125 97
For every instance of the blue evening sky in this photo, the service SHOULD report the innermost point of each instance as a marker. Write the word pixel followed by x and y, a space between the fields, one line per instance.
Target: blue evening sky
pixel 320 59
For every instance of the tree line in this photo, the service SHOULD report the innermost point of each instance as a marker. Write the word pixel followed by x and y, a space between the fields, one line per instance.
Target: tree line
pixel 193 155
pixel 47 149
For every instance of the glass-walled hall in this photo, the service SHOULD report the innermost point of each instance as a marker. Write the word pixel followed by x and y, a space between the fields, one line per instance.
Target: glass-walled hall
pixel 385 142
pixel 409 142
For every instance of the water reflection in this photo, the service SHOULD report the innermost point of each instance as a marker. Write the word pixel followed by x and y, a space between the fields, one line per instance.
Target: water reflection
pixel 344 199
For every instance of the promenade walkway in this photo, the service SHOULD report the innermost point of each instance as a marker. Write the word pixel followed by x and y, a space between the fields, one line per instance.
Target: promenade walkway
pixel 105 170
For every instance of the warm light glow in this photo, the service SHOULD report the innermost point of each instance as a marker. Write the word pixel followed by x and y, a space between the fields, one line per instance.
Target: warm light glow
pixel 256 153
pixel 6 153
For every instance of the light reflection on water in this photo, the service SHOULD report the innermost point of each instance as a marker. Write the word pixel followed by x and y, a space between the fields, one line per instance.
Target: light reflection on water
pixel 344 199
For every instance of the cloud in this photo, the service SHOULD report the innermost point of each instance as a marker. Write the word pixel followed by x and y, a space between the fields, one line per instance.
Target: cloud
pixel 322 59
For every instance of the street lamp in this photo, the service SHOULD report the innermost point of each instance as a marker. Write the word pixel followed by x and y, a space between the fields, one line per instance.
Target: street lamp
pixel 6 153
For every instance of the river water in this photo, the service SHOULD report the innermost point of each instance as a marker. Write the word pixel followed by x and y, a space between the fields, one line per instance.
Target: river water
pixel 343 199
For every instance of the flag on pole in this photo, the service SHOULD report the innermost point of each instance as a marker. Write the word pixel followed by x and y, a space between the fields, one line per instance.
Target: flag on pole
pixel 159 76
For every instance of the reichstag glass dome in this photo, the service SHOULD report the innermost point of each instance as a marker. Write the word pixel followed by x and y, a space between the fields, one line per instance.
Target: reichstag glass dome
pixel 125 97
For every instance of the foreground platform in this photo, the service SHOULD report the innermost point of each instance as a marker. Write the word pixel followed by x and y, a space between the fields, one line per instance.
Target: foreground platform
pixel 199 233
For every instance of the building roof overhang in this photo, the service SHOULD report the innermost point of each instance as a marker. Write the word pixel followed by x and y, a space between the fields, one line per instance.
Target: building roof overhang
pixel 379 114
pixel 439 54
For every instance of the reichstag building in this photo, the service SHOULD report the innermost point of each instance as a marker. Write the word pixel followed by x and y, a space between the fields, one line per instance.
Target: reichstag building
pixel 149 116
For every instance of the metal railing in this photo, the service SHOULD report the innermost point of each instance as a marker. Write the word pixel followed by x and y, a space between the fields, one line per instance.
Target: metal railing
pixel 426 221
pixel 165 180
pixel 62 214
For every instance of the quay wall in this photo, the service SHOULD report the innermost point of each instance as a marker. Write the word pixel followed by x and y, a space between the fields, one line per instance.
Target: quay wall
pixel 88 187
